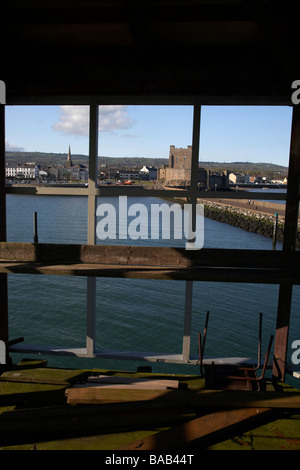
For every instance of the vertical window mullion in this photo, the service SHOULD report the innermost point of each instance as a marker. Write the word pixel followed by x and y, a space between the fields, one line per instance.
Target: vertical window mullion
pixel 186 341
pixel 91 231
pixel 4 334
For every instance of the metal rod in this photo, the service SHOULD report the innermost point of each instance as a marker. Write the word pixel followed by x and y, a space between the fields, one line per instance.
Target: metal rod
pixel 35 231
pixel 267 357
pixel 259 341
pixel 200 353
pixel 275 228
pixel 201 345
pixel 204 334
pixel 187 320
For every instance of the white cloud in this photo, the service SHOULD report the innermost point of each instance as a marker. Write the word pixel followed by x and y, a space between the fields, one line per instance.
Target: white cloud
pixel 12 148
pixel 74 120
pixel 112 118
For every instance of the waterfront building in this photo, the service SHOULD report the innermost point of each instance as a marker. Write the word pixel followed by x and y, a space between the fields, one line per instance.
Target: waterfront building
pixel 129 174
pixel 218 180
pixel 28 170
pixel 148 173
pixel 238 178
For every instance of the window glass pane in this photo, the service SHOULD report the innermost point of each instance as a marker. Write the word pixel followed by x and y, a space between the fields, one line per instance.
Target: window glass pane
pixel 60 219
pixel 47 145
pixel 137 145
pixel 243 160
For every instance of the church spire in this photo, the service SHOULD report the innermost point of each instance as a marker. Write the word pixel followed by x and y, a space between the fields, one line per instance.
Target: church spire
pixel 69 161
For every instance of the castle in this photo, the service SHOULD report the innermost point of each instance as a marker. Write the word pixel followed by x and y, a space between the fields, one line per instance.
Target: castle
pixel 178 172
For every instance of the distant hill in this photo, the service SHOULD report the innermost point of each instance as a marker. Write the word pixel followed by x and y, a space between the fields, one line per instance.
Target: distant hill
pixel 49 159
pixel 245 167
pixel 43 158
pixel 61 158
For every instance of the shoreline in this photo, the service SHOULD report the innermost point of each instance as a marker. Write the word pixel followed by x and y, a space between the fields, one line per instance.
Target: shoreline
pixel 256 217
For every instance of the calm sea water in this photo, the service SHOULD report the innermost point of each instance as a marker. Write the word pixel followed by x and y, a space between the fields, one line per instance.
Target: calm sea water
pixel 143 315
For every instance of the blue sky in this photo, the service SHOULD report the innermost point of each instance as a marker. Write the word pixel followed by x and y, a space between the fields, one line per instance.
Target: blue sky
pixel 228 133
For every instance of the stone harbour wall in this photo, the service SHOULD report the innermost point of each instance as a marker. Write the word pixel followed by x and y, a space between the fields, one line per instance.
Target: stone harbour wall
pixel 255 222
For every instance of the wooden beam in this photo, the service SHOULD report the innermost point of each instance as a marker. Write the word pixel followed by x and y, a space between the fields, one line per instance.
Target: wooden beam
pixel 139 381
pixel 207 274
pixel 289 247
pixel 64 422
pixel 255 266
pixel 292 195
pixel 54 254
pixel 199 398
pixel 199 429
pixel 127 13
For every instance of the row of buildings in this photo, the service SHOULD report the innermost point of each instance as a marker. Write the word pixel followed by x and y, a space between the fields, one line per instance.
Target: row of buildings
pixel 34 171
pixel 176 173
pixel 76 172
pixel 146 173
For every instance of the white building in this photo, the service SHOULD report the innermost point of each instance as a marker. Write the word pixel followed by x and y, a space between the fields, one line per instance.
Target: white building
pixel 43 174
pixel 148 173
pixel 28 170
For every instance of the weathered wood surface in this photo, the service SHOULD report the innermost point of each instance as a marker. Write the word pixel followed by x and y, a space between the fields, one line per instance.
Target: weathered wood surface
pixel 264 276
pixel 120 382
pixel 197 429
pixel 145 256
pixel 94 395
pixel 31 394
pixel 203 398
pixel 124 419
pixel 63 422
pixel 44 375
pixel 254 266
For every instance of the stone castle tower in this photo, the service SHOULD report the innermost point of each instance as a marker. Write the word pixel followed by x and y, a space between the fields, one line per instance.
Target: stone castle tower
pixel 180 158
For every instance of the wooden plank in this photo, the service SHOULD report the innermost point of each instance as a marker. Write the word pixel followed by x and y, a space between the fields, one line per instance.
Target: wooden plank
pixel 154 385
pixel 44 375
pixel 197 429
pixel 264 276
pixel 15 393
pixel 203 398
pixel 65 422
pixel 62 254
pixel 114 380
pixel 93 395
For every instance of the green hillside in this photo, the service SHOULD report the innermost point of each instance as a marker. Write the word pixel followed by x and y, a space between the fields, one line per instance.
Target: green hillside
pixel 49 159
